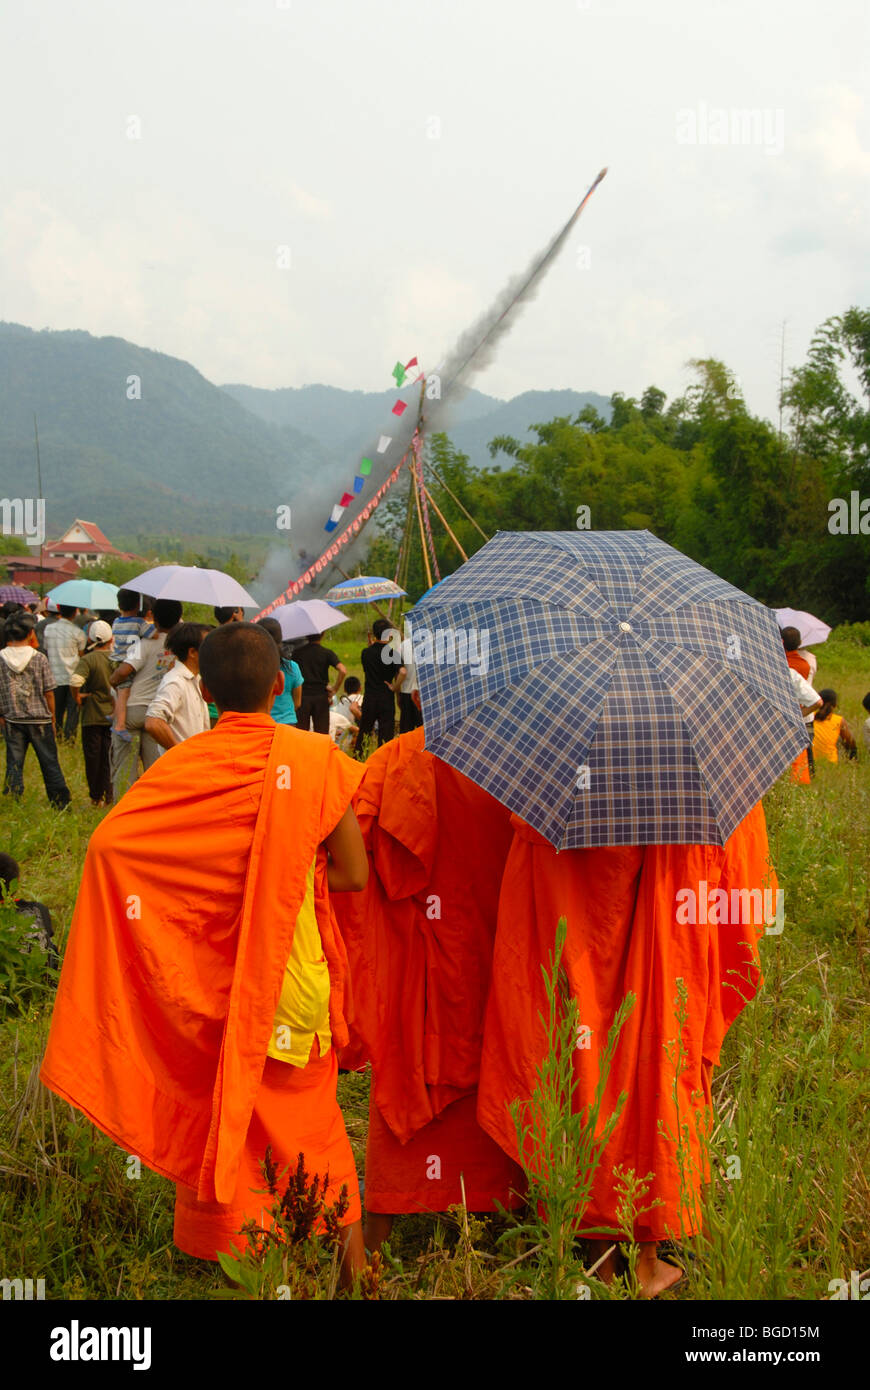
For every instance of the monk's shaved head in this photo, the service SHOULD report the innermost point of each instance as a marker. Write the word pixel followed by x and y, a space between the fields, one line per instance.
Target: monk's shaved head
pixel 238 664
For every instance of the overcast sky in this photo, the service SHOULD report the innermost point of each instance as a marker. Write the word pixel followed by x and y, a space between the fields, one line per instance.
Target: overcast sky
pixel 411 158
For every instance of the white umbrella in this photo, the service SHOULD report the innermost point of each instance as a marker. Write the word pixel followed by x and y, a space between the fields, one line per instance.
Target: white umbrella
pixel 190 584
pixel 307 617
pixel 812 630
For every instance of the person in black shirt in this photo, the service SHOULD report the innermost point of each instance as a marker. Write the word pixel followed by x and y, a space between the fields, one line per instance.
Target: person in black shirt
pixel 383 679
pixel 314 661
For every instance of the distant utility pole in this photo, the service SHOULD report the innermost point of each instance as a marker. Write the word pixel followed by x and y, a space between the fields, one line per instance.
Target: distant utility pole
pixel 39 495
pixel 781 374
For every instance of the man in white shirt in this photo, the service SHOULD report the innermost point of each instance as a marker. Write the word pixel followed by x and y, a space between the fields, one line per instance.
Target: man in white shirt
pixel 64 644
pixel 178 710
pixel 810 659
pixel 409 713
pixel 809 702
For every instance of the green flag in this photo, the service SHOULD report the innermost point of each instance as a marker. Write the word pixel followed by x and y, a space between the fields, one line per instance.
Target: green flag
pixel 365 467
pixel 399 373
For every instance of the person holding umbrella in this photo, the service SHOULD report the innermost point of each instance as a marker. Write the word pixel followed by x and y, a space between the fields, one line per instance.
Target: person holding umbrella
pixel 128 630
pixel 620 677
pixel 419 941
pixel 810 630
pixel 315 663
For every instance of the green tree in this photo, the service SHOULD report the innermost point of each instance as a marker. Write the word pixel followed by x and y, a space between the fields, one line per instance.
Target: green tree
pixel 829 396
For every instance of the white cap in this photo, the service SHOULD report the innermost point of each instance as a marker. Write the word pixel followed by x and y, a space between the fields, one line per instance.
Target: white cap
pixel 100 632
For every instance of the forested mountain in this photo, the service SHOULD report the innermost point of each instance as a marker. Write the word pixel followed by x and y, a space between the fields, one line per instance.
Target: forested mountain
pixel 182 456
pixel 342 421
pixel 143 444
pixel 784 516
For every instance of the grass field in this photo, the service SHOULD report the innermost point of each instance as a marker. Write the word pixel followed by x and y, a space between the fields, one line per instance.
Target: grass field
pixel 791 1094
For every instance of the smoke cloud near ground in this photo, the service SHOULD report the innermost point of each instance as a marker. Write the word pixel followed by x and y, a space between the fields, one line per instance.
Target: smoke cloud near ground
pixel 475 349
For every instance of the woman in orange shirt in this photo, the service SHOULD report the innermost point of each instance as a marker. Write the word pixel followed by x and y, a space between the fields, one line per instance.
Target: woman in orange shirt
pixel 829 729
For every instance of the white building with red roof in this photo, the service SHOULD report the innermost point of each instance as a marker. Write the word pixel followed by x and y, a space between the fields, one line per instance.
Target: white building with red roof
pixel 86 544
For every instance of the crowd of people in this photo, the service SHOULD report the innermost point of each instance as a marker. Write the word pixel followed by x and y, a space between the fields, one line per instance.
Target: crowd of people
pixel 826 730
pixel 128 679
pixel 260 907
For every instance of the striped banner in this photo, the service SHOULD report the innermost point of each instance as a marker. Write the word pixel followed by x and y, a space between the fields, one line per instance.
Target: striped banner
pixel 350 532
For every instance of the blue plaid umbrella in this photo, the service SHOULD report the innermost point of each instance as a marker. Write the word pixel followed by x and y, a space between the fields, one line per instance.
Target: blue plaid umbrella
pixel 606 688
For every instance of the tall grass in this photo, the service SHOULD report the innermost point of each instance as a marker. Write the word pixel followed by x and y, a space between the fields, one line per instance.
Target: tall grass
pixel 791 1214
pixel 560 1145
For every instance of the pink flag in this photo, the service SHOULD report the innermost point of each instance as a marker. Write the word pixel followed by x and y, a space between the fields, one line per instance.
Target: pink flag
pixel 399 408
pixel 346 499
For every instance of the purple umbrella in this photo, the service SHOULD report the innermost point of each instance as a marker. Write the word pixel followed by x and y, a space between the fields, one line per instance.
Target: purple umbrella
pixel 14 593
pixel 190 584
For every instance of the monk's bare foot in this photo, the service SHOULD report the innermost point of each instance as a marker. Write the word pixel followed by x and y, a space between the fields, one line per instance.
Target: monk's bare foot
pixel 654 1275
pixel 606 1263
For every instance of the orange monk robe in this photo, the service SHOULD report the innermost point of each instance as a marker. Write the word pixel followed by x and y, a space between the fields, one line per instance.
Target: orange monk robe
pixel 419 941
pixel 798 663
pixel 180 937
pixel 625 933
pixel 800 769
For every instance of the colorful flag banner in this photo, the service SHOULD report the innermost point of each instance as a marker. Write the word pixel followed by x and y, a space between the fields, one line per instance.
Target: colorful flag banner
pixel 365 467
pixel 346 535
pixel 401 373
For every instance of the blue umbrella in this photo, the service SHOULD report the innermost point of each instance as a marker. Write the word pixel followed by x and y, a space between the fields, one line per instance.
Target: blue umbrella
pixel 363 589
pixel 85 593
pixel 606 688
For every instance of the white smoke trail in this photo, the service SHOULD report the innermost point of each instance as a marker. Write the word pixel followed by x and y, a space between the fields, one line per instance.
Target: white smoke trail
pixel 473 352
